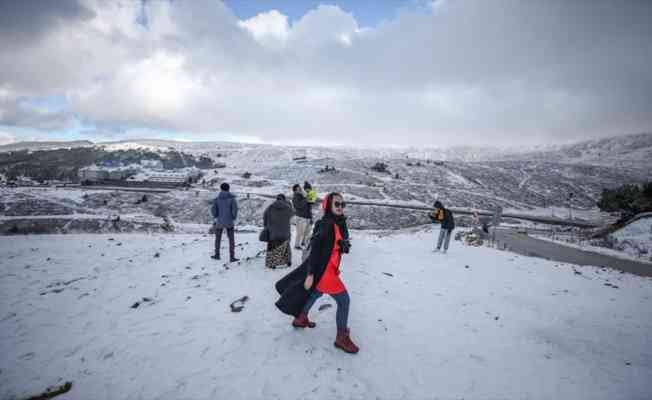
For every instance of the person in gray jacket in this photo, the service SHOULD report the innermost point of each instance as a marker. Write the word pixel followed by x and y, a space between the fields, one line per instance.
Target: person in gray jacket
pixel 276 219
pixel 225 212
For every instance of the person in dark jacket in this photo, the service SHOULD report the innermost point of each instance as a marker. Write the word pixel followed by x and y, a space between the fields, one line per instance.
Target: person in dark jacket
pixel 444 217
pixel 276 219
pixel 320 273
pixel 304 217
pixel 225 212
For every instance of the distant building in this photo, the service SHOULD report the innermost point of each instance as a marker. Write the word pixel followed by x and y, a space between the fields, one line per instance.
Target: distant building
pixel 178 177
pixel 153 164
pixel 94 173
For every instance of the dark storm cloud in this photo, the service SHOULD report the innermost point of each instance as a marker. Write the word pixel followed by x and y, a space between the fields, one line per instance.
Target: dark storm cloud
pixel 22 21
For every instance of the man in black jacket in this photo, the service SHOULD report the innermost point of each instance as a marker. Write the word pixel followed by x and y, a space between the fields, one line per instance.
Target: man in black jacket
pixel 444 217
pixel 304 217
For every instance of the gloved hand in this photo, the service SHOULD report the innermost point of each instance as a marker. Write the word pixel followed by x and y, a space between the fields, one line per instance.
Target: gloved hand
pixel 345 246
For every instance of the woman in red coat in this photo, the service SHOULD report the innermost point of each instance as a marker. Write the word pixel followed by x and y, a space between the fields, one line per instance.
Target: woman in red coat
pixel 329 241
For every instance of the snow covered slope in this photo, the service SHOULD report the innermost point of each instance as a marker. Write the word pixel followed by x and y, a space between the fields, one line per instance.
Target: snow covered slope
pixel 628 150
pixel 476 323
pixel 45 145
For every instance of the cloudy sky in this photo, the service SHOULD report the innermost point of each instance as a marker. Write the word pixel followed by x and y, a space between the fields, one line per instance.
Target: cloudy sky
pixel 358 72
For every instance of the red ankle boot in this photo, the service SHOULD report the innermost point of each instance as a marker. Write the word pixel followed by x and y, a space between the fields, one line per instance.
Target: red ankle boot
pixel 344 342
pixel 302 321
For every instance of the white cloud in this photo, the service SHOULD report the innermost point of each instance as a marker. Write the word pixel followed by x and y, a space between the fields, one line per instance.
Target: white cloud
pixel 6 138
pixel 454 73
pixel 270 28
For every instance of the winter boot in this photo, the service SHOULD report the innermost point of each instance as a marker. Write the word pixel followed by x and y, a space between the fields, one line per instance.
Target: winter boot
pixel 233 259
pixel 343 341
pixel 215 257
pixel 302 321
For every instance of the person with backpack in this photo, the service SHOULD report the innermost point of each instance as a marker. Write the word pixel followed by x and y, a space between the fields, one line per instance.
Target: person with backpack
pixel 225 212
pixel 276 220
pixel 320 274
pixel 444 217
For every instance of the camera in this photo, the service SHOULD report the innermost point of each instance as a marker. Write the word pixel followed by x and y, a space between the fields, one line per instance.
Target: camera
pixel 345 245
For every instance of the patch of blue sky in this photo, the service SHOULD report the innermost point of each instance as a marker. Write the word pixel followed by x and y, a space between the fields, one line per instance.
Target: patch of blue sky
pixel 45 104
pixel 368 13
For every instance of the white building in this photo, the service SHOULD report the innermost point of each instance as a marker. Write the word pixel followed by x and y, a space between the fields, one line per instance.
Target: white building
pixel 152 164
pixel 92 173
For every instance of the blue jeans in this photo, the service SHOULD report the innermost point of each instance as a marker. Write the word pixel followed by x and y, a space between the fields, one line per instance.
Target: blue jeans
pixel 342 299
pixel 444 236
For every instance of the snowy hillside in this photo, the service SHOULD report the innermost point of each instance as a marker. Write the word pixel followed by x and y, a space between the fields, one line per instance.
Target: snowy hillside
pixel 630 150
pixel 524 184
pixel 620 150
pixel 44 145
pixel 139 316
pixel 540 183
pixel 624 150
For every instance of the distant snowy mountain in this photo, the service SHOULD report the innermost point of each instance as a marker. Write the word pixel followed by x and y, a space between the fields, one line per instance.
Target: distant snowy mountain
pixel 613 151
pixel 629 150
pixel 17 146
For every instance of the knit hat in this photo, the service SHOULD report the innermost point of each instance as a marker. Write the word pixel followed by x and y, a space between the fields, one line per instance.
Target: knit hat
pixel 225 186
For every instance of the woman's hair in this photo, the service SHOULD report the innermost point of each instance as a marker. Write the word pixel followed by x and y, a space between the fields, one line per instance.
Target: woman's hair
pixel 327 203
pixel 295 187
pixel 280 196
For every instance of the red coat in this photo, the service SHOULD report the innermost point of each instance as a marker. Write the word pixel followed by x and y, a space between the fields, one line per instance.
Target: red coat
pixel 330 282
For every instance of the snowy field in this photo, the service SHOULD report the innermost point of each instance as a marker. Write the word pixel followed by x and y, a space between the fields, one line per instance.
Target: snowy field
pixel 476 323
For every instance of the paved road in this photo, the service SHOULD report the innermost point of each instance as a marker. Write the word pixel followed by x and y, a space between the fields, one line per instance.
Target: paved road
pixel 529 246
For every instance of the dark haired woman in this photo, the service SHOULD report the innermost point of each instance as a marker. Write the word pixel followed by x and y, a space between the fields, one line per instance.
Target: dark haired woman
pixel 320 274
pixel 276 219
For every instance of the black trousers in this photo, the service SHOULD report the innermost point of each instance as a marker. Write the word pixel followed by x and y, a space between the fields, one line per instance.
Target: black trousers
pixel 230 232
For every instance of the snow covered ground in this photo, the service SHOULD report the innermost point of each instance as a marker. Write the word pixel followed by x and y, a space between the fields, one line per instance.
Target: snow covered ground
pixel 475 323
pixel 636 238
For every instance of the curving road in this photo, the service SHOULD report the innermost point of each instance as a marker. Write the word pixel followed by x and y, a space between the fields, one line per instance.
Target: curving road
pixel 526 245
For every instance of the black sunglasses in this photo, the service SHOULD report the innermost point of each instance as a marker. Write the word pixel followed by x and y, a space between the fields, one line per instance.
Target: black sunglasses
pixel 339 204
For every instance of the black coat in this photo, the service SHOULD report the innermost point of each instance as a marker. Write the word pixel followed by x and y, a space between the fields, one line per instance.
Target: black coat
pixel 276 219
pixel 448 222
pixel 290 287
pixel 301 206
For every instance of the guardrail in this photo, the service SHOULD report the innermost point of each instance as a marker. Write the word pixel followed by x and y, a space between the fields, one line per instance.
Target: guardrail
pixel 464 211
